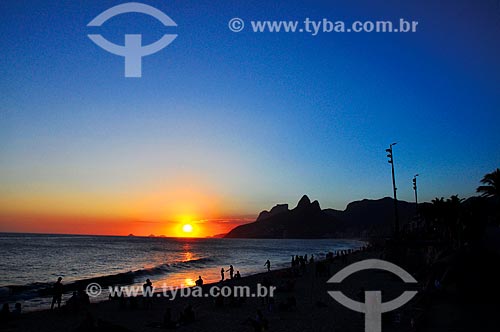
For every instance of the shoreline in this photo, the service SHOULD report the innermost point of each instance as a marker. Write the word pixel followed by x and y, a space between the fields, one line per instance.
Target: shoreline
pixel 36 296
pixel 309 292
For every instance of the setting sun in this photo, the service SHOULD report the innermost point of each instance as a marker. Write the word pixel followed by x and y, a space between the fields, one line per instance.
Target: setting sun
pixel 187 228
pixel 187 225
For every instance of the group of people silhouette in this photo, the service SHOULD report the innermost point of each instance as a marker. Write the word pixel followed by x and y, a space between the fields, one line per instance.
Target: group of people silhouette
pixel 230 270
pixel 301 260
pixel 77 300
pixel 232 275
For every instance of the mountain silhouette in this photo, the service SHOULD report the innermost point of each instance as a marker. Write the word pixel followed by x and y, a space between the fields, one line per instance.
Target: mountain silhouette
pixel 308 220
pixel 370 217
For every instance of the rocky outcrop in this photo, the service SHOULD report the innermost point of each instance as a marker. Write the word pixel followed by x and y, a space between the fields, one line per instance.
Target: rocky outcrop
pixel 306 220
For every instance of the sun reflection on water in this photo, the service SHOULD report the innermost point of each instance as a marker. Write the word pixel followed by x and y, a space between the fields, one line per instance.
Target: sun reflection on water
pixel 189 282
pixel 187 256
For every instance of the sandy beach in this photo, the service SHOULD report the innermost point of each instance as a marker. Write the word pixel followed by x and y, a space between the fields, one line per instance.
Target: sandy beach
pixel 315 310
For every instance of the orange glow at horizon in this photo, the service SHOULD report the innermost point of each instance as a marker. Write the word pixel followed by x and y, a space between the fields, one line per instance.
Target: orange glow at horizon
pixel 165 209
pixel 77 224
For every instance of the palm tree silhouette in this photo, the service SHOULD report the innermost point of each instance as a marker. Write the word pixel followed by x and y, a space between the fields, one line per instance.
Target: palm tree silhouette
pixel 491 184
pixel 447 216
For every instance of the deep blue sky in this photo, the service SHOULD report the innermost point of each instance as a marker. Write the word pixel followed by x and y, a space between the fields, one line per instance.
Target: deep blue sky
pixel 251 118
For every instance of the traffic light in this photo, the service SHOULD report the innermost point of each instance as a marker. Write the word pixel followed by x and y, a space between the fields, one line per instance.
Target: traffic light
pixel 415 183
pixel 389 155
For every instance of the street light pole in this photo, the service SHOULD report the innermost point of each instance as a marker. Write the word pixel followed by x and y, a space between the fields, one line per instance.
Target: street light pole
pixel 415 189
pixel 396 216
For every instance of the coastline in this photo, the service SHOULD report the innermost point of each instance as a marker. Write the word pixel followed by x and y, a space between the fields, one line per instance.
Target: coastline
pixel 167 262
pixel 313 311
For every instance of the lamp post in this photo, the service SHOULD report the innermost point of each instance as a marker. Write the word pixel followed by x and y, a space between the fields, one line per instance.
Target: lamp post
pixel 396 216
pixel 415 189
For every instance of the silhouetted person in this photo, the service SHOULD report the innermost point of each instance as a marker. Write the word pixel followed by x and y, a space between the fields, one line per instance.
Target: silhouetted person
pixel 222 274
pixel 83 297
pixel 74 301
pixel 237 275
pixel 268 264
pixel 147 287
pixel 231 271
pixel 302 263
pixel 57 292
pixel 199 282
pixel 148 293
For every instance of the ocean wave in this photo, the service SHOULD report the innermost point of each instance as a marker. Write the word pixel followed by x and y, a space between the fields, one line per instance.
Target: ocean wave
pixel 28 291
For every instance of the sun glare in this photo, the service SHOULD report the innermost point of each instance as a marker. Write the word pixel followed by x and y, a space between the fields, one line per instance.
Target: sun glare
pixel 187 225
pixel 187 228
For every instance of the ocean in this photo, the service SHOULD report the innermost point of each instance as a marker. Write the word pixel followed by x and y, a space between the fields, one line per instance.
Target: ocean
pixel 31 263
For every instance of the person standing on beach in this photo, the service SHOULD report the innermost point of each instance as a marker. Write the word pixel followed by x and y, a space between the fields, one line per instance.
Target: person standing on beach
pixel 222 274
pixel 57 293
pixel 147 295
pixel 231 271
pixel 268 264
pixel 147 288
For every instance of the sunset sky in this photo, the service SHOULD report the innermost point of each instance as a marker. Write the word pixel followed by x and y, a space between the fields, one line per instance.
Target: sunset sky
pixel 223 125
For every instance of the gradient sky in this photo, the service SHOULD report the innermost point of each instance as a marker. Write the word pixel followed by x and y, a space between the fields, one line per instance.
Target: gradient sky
pixel 223 125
